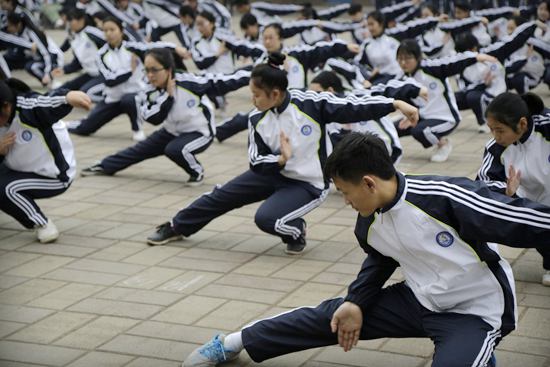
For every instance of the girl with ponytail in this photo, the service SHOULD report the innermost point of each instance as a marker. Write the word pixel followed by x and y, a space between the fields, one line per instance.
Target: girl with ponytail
pixel 517 161
pixel 287 150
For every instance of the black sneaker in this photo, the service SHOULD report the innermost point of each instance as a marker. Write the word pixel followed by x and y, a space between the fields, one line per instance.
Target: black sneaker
pixel 297 247
pixel 195 181
pixel 94 170
pixel 164 234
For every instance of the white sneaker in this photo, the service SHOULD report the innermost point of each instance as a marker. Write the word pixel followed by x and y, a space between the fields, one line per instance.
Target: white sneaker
pixel 483 129
pixel 73 124
pixel 546 278
pixel 138 135
pixel 47 233
pixel 441 153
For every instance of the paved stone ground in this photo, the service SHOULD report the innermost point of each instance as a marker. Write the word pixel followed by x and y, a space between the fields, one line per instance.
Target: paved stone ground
pixel 100 296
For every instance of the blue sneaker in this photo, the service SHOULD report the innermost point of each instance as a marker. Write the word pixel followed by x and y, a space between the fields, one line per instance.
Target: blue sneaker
pixel 492 361
pixel 210 354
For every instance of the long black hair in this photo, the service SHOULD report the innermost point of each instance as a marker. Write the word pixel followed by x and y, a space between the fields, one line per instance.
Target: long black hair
pixel 271 75
pixel 508 108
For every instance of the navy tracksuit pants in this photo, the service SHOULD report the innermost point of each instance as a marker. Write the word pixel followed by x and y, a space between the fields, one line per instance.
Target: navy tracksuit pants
pixel 180 149
pixel 18 191
pixel 232 126
pixel 104 112
pixel 459 339
pixel 428 132
pixel 286 202
pixel 91 85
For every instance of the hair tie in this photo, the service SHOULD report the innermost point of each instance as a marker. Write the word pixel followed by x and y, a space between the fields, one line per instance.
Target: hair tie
pixel 275 66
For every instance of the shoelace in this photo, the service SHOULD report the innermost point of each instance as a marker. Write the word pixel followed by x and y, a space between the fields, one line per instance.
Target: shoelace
pixel 214 350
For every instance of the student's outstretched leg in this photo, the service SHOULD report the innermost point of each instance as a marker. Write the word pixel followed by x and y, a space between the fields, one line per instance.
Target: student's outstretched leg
pixel 460 340
pixel 99 116
pixel 151 147
pixel 281 214
pixel 129 106
pixel 244 189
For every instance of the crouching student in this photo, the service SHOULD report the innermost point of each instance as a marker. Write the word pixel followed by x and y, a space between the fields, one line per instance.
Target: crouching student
pixel 458 291
pixel 178 102
pixel 287 150
pixel 36 154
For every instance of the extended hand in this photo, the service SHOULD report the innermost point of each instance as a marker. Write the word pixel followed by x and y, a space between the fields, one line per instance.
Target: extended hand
pixel 347 321
pixel 80 99
pixel 286 148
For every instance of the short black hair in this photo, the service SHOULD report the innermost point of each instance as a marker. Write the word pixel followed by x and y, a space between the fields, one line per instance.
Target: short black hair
pixel 76 13
pixel 409 47
pixel 379 17
pixel 466 42
pixel 329 79
pixel 208 16
pixel 186 10
pixel 358 155
pixel 355 8
pixel 248 20
pixel 463 5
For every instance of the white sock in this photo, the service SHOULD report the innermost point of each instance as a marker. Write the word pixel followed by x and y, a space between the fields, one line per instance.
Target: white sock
pixel 234 342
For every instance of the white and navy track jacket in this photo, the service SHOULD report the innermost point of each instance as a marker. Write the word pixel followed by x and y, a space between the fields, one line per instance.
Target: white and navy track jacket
pixel 42 144
pixel 187 111
pixel 24 40
pixel 165 13
pixel 220 12
pixel 115 64
pixel 440 230
pixel 299 59
pixel 522 61
pixel 303 117
pixel 381 52
pixel 433 74
pixel 471 24
pixel 204 54
pixel 85 45
pixel 384 127
pixel 530 155
pixel 473 77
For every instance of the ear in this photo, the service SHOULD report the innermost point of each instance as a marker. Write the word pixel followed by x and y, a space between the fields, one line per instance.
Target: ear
pixel 523 124
pixel 369 182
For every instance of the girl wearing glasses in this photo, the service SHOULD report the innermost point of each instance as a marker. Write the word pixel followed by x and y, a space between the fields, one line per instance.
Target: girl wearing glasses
pixel 175 101
pixel 122 69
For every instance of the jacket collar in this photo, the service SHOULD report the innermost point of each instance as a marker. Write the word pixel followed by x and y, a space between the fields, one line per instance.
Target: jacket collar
pixel 401 184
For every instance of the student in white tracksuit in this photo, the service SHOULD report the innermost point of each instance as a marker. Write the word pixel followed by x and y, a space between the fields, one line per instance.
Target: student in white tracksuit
pixel 517 161
pixel 458 291
pixel 36 154
pixel 439 116
pixel 176 101
pixel 287 149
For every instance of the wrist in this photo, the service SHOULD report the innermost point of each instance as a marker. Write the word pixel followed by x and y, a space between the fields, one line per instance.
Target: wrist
pixel 282 160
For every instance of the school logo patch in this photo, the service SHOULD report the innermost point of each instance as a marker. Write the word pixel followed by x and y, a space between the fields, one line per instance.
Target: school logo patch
pixel 26 135
pixel 306 130
pixel 433 85
pixel 190 103
pixel 493 67
pixel 444 239
pixel 88 45
pixel 295 69
pixel 534 58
